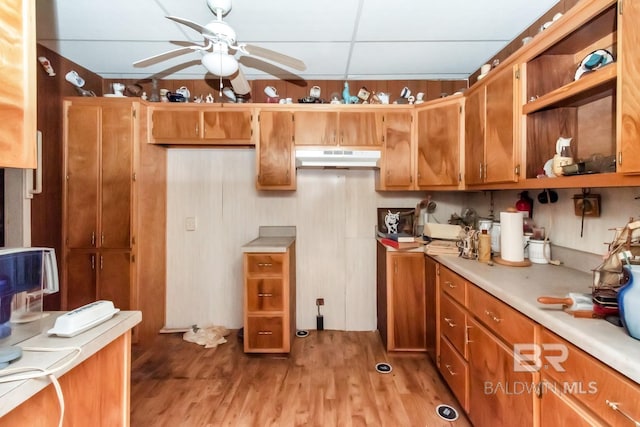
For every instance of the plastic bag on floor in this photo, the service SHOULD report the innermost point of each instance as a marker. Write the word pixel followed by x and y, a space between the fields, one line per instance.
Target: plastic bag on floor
pixel 209 337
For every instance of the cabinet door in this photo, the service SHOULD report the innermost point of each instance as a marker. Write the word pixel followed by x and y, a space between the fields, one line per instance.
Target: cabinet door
pixel 431 295
pixel 175 125
pixel 116 184
pixel 276 167
pixel 628 117
pixel 439 145
pixel 82 175
pixel 558 409
pixel 18 76
pixel 315 127
pixel 407 301
pixel 499 138
pixel 474 120
pixel 360 129
pixel 396 170
pixel 81 279
pixel 114 278
pixel 227 127
pixel 498 395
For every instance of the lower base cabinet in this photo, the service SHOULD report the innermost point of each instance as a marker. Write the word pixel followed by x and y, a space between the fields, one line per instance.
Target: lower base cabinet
pixel 269 301
pixel 495 389
pixel 401 299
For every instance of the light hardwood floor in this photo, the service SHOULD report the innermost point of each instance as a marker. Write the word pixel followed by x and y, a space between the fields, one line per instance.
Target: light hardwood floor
pixel 328 380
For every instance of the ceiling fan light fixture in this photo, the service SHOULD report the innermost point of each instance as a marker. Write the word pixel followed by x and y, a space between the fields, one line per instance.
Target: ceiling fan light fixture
pixel 220 63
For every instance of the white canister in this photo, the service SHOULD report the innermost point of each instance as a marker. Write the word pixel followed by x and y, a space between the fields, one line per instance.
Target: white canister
pixel 539 251
pixel 495 237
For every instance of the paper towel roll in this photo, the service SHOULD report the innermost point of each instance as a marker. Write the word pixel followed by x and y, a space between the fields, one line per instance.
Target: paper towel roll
pixel 511 247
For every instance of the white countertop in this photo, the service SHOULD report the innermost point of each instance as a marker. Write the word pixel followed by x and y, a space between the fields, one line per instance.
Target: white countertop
pixel 521 286
pixel 91 341
pixel 272 239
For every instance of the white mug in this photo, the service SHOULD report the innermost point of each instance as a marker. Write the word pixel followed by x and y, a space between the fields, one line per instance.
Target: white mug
pixel 73 78
pixel 485 69
pixel 315 92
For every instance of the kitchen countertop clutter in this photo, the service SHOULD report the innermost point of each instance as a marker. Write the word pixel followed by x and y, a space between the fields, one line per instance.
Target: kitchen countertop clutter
pixel 520 288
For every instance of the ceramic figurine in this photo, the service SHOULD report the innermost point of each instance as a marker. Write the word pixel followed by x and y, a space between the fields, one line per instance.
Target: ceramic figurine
pixel 209 99
pixel 346 96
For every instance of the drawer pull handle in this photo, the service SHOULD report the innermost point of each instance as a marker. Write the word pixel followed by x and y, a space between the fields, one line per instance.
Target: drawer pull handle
pixel 265 333
pixel 614 406
pixel 265 295
pixel 450 322
pixel 493 316
pixel 449 369
pixel 265 264
pixel 450 284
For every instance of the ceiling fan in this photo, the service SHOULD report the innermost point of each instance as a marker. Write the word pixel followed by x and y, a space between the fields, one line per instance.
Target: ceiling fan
pixel 219 46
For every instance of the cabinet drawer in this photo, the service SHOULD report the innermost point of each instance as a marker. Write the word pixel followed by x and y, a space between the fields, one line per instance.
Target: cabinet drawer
pixel 507 323
pixel 455 371
pixel 453 323
pixel 267 264
pixel 264 294
pixel 263 333
pixel 591 382
pixel 453 284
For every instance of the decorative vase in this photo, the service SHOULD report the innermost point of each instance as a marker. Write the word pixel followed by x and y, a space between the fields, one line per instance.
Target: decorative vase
pixel 629 302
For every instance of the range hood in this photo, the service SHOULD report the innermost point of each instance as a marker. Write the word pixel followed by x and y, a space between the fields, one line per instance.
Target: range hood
pixel 335 158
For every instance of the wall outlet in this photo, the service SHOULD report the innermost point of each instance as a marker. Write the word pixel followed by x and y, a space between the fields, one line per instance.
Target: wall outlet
pixel 319 301
pixel 190 223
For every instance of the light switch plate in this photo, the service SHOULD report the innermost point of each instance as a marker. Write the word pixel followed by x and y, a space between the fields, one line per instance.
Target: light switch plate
pixel 190 223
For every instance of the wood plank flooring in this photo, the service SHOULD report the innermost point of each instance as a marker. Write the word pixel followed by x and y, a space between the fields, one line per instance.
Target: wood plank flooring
pixel 328 380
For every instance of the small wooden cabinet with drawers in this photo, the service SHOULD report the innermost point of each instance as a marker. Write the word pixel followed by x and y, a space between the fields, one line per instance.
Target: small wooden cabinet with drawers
pixel 269 301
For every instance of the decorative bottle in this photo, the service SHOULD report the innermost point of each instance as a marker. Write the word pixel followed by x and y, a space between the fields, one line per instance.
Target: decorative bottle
pixel 629 302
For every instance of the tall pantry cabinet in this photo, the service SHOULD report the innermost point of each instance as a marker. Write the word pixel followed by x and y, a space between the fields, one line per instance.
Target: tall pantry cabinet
pixel 114 210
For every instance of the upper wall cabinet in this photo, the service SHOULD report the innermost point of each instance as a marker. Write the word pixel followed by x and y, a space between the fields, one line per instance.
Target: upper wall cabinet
pixel 337 127
pixel 396 165
pixel 201 125
pixel 491 147
pixel 18 76
pixel 439 136
pixel 599 110
pixel 275 163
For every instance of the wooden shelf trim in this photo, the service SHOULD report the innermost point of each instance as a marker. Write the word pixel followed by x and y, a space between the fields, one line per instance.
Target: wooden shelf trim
pixel 587 83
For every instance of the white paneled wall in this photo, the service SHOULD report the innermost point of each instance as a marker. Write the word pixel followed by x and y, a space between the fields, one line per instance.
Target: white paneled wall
pixel 335 215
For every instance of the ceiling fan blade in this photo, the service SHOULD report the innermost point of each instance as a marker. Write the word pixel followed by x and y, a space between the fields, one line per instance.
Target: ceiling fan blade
pixel 240 83
pixel 193 25
pixel 272 55
pixel 163 56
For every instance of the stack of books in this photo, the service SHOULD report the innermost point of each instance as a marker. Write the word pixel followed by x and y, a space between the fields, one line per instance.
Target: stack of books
pixel 442 247
pixel 400 241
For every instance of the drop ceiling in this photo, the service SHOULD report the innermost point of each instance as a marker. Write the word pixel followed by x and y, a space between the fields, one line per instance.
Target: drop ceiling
pixel 337 39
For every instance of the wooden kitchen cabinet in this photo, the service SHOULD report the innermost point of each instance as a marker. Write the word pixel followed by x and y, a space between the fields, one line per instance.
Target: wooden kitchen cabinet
pixel 396 165
pixel 114 210
pixel 599 111
pixel 201 125
pixel 275 160
pixel 401 299
pixel 498 395
pixel 491 129
pixel 336 127
pixel 439 140
pixel 269 301
pixel 18 76
pixel 584 385
pixel 431 269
